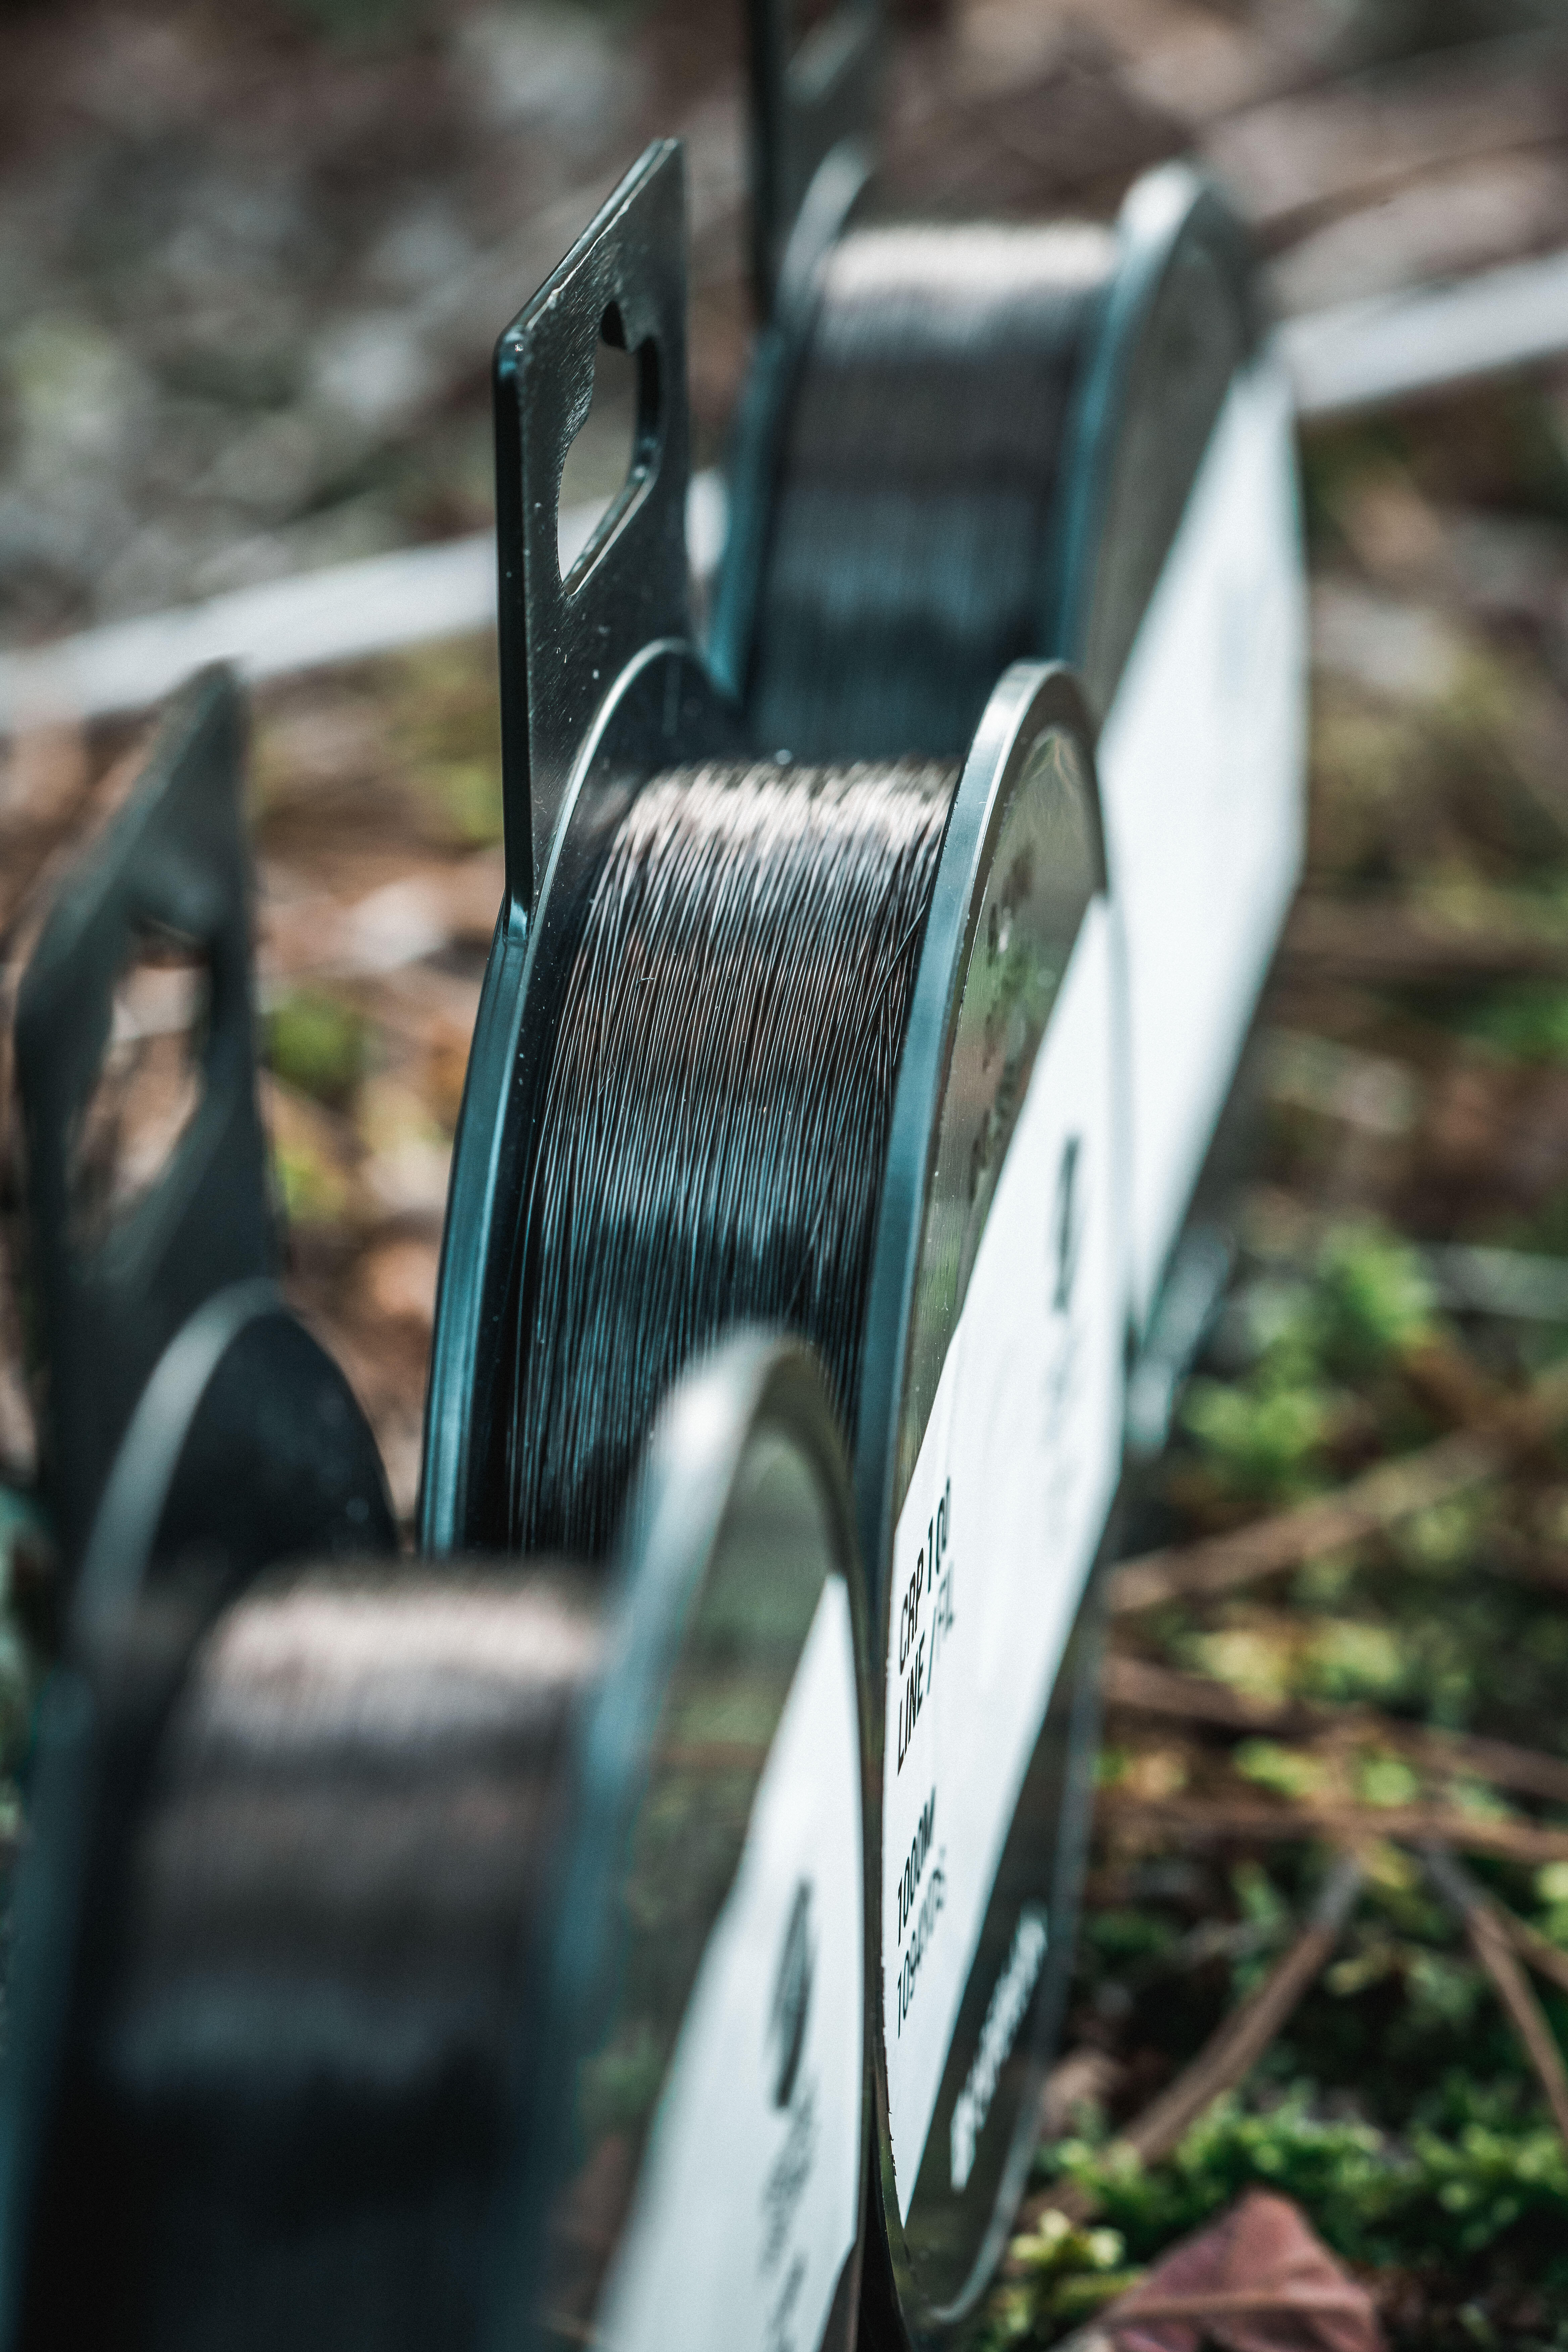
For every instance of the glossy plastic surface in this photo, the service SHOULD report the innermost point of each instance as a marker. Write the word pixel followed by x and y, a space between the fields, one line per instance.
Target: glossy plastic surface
pixel 1023 865
pixel 175 865
pixel 599 690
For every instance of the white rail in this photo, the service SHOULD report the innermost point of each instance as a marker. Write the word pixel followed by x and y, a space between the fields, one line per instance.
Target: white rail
pixel 340 614
pixel 1391 347
pixel 1364 355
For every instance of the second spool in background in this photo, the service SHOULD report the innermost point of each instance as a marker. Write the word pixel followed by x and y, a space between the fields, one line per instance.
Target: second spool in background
pixel 963 442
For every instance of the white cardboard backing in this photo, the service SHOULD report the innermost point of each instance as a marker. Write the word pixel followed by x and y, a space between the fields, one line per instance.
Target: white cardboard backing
pixel 747 2204
pixel 1001 1523
pixel 1202 768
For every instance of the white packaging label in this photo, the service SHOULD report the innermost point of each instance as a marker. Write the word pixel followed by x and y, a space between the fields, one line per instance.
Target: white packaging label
pixel 1202 766
pixel 1003 1514
pixel 747 2203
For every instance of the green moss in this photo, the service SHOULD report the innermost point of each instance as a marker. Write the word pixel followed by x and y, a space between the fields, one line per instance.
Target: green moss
pixel 447 728
pixel 1528 1021
pixel 1067 2273
pixel 1373 1299
pixel 1261 1442
pixel 1352 1658
pixel 1258 1900
pixel 1264 1436
pixel 317 1043
pixel 1476 2179
pixel 1119 1935
pixel 314 1191
pixel 1291 1772
pixel 1382 1780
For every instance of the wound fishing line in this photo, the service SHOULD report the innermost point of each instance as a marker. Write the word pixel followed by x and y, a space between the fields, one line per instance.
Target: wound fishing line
pixel 915 483
pixel 965 444
pixel 715 1120
pixel 441 1892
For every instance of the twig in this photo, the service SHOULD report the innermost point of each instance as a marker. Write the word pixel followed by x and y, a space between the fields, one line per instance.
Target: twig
pixel 1231 2301
pixel 1393 1491
pixel 1379 941
pixel 1144 1689
pixel 1198 1821
pixel 1442 1378
pixel 1493 1947
pixel 1513 1554
pixel 1532 1947
pixel 1234 2049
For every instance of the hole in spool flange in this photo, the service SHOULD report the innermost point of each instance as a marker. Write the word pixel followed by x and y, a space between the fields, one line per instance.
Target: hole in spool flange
pixel 615 445
pixel 149 1084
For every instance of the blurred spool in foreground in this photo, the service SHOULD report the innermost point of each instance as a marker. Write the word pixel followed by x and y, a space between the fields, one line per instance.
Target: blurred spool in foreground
pixel 186 1408
pixel 481 1956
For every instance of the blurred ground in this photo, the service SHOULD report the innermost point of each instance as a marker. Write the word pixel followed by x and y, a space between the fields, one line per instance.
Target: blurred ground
pixel 251 263
pixel 252 259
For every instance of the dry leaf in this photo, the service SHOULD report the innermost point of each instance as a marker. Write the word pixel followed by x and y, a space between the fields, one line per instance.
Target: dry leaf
pixel 1259 2280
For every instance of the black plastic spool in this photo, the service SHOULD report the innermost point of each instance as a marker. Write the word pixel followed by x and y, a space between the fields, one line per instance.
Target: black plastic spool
pixel 957 1102
pixel 744 1461
pixel 562 809
pixel 813 102
pixel 195 1431
pixel 186 1408
pixel 601 688
pixel 959 446
pixel 364 2060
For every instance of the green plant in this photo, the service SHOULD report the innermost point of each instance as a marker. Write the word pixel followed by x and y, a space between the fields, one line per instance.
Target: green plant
pixel 1264 1435
pixel 317 1043
pixel 448 729
pixel 1064 2273
pixel 1373 1299
pixel 1260 1441
pixel 1480 2165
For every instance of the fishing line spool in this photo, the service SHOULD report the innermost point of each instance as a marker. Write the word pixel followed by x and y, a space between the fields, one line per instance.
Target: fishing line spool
pixel 810 101
pixel 473 1967
pixel 966 443
pixel 186 1409
pixel 759 1040
pixel 194 1432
